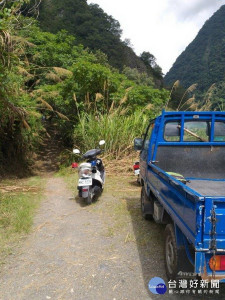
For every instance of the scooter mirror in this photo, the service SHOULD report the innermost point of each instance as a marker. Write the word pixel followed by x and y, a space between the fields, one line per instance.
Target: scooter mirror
pixel 102 142
pixel 76 151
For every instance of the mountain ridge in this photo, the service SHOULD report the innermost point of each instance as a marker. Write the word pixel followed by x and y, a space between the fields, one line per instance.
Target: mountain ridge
pixel 203 60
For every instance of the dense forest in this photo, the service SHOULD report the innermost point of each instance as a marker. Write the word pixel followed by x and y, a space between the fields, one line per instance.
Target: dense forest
pixel 51 78
pixel 96 30
pixel 203 62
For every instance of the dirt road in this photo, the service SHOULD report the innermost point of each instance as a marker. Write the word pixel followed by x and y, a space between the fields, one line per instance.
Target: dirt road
pixel 103 251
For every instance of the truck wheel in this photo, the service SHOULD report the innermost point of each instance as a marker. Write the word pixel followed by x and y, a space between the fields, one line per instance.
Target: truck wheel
pixel 144 198
pixel 170 252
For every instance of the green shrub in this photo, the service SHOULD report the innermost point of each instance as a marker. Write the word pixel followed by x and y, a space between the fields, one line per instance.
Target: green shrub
pixel 116 129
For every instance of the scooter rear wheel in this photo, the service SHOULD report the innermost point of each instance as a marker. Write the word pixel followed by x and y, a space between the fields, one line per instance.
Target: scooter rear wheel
pixel 89 198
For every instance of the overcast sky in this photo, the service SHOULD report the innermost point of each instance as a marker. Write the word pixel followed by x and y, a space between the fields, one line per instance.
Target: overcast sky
pixel 162 27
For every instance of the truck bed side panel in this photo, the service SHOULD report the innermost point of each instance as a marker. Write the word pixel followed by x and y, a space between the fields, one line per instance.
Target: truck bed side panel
pixel 182 210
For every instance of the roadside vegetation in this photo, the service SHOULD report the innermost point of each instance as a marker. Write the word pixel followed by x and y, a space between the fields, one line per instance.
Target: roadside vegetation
pixel 52 77
pixel 18 203
pixel 117 130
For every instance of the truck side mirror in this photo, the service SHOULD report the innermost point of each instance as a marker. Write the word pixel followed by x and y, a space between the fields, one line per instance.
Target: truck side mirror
pixel 138 144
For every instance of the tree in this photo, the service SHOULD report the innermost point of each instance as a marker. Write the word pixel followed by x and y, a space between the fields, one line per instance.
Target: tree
pixel 152 67
pixel 148 58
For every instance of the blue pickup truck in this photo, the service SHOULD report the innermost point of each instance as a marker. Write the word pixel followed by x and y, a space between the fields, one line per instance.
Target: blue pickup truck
pixel 182 173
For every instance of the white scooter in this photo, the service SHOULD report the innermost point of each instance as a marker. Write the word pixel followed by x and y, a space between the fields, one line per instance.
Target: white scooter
pixel 136 168
pixel 91 174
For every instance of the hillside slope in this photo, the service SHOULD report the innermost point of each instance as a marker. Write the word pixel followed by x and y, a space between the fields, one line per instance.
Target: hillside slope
pixel 203 61
pixel 94 29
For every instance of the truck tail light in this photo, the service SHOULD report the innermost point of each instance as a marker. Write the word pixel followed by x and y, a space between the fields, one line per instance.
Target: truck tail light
pixel 217 263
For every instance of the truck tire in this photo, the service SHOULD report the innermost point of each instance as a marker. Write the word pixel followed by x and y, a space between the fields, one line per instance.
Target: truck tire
pixel 144 205
pixel 171 253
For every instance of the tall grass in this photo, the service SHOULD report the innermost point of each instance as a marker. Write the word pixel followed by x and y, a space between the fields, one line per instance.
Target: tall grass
pixel 16 212
pixel 116 129
pixel 189 102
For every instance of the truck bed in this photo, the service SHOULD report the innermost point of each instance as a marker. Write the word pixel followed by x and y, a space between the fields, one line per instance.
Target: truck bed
pixel 213 188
